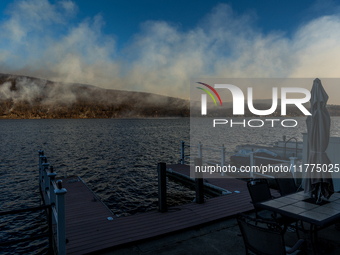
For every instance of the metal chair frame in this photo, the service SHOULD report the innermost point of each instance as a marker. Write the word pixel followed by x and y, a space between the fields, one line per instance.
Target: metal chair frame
pixel 270 234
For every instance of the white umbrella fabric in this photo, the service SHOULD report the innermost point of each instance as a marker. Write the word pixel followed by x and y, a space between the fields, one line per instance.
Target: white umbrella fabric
pixel 318 183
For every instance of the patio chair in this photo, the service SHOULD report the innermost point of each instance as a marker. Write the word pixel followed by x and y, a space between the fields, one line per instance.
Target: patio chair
pixel 265 237
pixel 259 192
pixel 286 186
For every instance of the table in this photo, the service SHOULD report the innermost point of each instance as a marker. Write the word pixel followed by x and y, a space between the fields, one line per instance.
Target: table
pixel 294 206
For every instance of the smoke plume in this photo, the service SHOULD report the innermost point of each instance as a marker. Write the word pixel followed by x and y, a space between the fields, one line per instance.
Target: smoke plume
pixel 41 39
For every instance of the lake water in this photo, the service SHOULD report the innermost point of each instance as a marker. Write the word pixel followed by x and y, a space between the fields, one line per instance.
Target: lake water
pixel 117 158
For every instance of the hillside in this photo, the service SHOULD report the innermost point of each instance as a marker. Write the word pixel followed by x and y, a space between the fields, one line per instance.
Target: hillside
pixel 24 97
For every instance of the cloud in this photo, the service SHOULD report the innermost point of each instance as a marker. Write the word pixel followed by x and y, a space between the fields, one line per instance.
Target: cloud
pixel 316 45
pixel 44 40
pixel 30 16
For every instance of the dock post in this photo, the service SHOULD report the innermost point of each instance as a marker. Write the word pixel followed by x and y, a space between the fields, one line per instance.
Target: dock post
pixel 222 158
pixel 44 177
pixel 42 159
pixel 161 169
pixel 251 164
pixel 51 177
pixel 199 182
pixel 41 153
pixel 293 169
pixel 61 234
pixel 182 152
pixel 200 150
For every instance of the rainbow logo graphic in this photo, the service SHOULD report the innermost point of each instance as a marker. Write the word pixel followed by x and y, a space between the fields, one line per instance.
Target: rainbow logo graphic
pixel 209 93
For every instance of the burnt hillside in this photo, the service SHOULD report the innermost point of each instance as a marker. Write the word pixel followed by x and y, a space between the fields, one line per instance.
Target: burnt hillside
pixel 24 97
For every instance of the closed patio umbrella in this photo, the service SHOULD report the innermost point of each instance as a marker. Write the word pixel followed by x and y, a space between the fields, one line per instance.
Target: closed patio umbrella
pixel 318 183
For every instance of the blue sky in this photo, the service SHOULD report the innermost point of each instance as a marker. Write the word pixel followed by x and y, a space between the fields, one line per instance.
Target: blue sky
pixel 123 18
pixel 157 46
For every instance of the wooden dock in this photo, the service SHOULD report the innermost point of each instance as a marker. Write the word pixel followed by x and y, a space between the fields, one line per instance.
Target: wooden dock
pixel 88 229
pixel 85 216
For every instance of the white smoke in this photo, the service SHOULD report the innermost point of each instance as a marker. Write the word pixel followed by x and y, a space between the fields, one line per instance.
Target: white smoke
pixel 25 90
pixel 40 39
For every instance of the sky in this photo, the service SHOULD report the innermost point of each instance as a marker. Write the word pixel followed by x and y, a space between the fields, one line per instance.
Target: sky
pixel 158 46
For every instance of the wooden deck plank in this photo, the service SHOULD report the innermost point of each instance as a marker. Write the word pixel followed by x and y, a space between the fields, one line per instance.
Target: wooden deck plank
pixel 146 232
pixel 88 230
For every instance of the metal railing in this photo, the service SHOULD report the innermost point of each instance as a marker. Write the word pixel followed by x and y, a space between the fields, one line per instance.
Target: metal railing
pixel 53 194
pixel 200 153
pixel 200 147
pixel 296 146
pixel 183 156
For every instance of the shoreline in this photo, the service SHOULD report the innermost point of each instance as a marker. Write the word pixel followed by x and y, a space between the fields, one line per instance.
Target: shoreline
pixel 120 118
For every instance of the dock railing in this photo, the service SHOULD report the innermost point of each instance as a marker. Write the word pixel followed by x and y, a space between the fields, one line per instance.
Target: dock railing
pixel 53 195
pixel 200 153
pixel 183 156
pixel 222 150
pixel 200 147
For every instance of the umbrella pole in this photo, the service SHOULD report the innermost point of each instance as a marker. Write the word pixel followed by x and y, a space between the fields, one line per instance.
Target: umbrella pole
pixel 317 193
